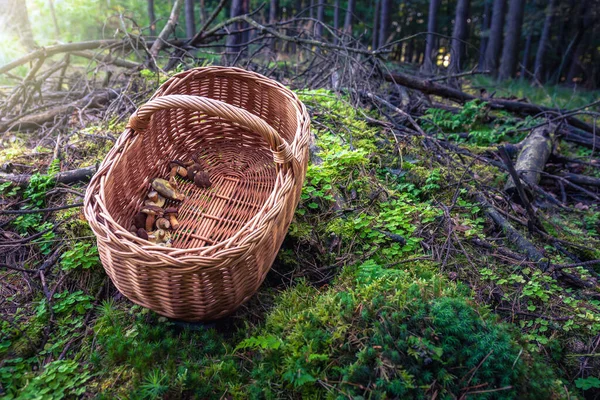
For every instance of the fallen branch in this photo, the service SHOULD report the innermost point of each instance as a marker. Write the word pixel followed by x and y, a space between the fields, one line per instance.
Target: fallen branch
pixel 534 154
pixel 519 107
pixel 93 100
pixel 40 210
pixel 107 59
pixel 582 179
pixel 76 175
pixel 531 252
pixel 57 49
pixel 167 30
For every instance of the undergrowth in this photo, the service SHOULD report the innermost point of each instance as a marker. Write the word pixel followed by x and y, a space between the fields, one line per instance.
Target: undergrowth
pixel 370 314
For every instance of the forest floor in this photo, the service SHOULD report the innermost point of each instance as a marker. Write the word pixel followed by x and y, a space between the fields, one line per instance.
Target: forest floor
pixel 395 279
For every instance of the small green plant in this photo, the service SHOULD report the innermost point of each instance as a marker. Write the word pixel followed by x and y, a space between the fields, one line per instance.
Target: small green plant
pixel 82 255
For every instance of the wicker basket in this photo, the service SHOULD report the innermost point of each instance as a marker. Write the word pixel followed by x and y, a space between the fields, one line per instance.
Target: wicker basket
pixel 251 133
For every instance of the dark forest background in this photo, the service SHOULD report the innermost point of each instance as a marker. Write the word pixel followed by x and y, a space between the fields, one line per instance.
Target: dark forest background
pixel 542 41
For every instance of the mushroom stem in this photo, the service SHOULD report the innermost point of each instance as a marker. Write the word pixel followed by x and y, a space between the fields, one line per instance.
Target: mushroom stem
pixel 149 222
pixel 173 221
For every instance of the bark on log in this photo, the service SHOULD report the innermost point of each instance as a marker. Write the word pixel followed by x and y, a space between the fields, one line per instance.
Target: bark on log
pixel 167 30
pixel 76 175
pixel 34 121
pixel 519 107
pixel 107 59
pixel 582 179
pixel 524 245
pixel 535 151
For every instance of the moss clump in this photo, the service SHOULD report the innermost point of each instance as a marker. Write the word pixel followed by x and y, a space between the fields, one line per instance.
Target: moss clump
pixel 386 333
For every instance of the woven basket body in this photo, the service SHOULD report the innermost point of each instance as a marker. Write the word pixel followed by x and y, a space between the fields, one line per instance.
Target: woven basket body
pixel 251 135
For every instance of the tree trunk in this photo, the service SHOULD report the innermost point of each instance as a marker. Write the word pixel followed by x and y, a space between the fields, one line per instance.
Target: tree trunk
pixel 336 15
pixel 54 20
pixel 576 67
pixel 203 13
pixel 538 69
pixel 494 47
pixel 235 38
pixel 430 42
pixel 384 22
pixel 311 10
pixel 485 33
pixel 525 62
pixel 14 20
pixel 585 20
pixel 512 37
pixel 168 28
pixel 375 31
pixel 152 18
pixel 246 34
pixel 320 18
pixel 190 24
pixel 459 35
pixel 349 17
pixel 535 151
pixel 273 7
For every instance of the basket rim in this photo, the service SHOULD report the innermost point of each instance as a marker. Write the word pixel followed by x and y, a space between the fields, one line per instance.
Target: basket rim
pixel 217 255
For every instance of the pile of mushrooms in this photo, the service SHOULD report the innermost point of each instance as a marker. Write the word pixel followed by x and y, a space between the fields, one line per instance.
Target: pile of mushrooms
pixel 153 222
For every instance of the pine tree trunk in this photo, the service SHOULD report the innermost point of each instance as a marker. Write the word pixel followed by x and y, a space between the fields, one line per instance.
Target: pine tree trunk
pixel 151 18
pixel 538 68
pixel 494 47
pixel 485 32
pixel 459 35
pixel 234 38
pixel 375 31
pixel 203 13
pixel 273 8
pixel 431 40
pixel 336 15
pixel 384 21
pixel 54 20
pixel 190 23
pixel 320 18
pixel 349 17
pixel 246 34
pixel 525 61
pixel 585 20
pixel 14 20
pixel 576 67
pixel 512 38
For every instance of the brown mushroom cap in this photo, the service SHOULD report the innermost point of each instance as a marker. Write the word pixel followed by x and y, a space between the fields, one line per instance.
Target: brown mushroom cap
pixel 171 210
pixel 175 163
pixel 152 210
pixel 139 220
pixel 192 171
pixel 142 234
pixel 163 223
pixel 159 202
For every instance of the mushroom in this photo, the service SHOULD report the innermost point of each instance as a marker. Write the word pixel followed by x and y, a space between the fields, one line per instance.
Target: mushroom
pixel 177 169
pixel 139 220
pixel 159 202
pixel 133 229
pixel 163 223
pixel 172 213
pixel 192 171
pixel 202 179
pixel 159 237
pixel 142 234
pixel 153 196
pixel 152 212
pixel 164 188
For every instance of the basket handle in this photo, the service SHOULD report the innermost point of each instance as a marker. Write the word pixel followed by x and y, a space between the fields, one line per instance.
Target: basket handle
pixel 140 120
